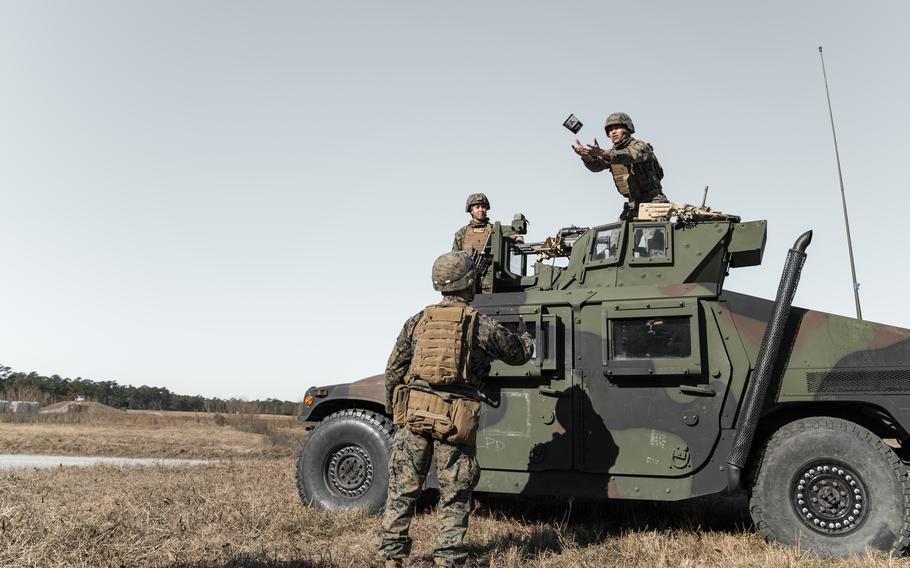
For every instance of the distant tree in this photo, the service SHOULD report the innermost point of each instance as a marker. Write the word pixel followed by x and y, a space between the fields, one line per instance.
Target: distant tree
pixel 55 388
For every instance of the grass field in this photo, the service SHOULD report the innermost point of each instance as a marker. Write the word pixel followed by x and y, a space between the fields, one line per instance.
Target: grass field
pixel 161 434
pixel 245 512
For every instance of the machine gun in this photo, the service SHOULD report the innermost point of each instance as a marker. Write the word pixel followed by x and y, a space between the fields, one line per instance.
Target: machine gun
pixel 555 246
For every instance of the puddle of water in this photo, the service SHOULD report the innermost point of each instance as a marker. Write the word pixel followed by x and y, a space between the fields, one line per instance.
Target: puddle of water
pixel 17 461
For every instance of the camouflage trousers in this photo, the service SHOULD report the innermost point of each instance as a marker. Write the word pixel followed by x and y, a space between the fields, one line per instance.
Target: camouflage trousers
pixel 653 196
pixel 630 209
pixel 457 472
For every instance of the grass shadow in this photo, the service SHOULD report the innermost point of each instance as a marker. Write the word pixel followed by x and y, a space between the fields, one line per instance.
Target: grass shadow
pixel 726 512
pixel 554 526
pixel 539 540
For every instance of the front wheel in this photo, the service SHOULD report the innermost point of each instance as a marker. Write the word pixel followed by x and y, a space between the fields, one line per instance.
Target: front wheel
pixel 831 486
pixel 345 462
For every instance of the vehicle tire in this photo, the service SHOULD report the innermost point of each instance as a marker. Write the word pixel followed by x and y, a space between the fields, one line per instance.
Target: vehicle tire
pixel 830 486
pixel 345 462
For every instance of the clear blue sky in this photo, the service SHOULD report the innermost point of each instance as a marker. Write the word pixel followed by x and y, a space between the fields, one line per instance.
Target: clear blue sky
pixel 245 198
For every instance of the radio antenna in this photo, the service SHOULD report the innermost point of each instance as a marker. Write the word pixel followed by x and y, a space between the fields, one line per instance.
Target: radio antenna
pixel 840 177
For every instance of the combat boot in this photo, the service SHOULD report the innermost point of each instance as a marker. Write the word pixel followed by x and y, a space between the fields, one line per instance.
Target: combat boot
pixel 629 211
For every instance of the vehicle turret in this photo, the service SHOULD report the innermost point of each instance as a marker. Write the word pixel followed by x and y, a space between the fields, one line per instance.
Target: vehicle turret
pixel 639 253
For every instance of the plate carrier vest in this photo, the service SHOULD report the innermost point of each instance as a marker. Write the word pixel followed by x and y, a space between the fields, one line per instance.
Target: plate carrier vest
pixel 636 180
pixel 476 237
pixel 445 336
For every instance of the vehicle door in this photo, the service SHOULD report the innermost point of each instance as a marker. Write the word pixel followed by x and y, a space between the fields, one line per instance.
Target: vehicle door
pixel 654 373
pixel 526 407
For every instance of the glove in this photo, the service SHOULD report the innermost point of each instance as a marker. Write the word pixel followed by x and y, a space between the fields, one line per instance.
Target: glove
pixel 528 342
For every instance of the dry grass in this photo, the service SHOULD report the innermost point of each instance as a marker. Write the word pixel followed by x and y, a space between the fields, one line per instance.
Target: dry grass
pixel 212 415
pixel 246 513
pixel 150 435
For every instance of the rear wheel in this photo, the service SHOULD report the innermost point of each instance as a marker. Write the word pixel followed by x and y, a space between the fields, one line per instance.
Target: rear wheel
pixel 831 486
pixel 345 462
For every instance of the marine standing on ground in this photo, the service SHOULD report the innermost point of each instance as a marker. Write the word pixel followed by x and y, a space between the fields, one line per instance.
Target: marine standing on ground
pixel 636 171
pixel 443 355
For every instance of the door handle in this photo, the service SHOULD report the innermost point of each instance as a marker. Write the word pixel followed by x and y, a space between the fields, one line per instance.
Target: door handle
pixel 550 391
pixel 702 391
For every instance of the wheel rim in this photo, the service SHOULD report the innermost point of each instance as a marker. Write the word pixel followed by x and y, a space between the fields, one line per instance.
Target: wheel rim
pixel 829 497
pixel 349 471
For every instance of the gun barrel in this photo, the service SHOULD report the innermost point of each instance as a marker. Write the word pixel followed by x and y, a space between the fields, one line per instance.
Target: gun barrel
pixel 527 248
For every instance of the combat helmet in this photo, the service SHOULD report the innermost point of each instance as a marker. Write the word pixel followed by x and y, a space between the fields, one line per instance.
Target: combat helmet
pixel 620 119
pixel 476 199
pixel 453 271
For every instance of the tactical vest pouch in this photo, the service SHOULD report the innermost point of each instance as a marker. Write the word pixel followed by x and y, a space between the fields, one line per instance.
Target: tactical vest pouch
pixel 658 170
pixel 400 404
pixel 428 414
pixel 621 174
pixel 465 417
pixel 449 420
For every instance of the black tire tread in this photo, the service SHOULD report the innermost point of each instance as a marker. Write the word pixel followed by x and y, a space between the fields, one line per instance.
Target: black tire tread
pixel 825 422
pixel 379 422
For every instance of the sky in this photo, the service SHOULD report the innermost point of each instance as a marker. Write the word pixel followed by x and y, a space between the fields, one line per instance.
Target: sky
pixel 244 199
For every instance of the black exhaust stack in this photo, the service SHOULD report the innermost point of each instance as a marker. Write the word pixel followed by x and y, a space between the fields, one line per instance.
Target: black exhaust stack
pixel 757 391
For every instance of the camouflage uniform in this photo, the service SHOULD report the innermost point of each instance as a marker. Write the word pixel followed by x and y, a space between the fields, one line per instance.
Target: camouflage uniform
pixel 636 171
pixel 456 467
pixel 642 171
pixel 486 280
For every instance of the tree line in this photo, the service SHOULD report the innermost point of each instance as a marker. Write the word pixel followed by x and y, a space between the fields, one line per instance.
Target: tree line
pixel 16 385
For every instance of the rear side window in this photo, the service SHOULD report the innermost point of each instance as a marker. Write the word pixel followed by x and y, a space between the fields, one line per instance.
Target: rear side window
pixel 650 242
pixel 651 338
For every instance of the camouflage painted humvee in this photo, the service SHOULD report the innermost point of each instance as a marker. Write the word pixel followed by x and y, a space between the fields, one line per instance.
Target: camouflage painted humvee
pixel 651 381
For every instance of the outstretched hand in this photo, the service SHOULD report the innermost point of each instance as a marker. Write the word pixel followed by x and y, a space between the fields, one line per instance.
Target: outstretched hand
pixel 579 149
pixel 594 150
pixel 591 151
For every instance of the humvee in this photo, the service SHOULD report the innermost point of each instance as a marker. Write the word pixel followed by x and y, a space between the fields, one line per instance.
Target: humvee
pixel 651 381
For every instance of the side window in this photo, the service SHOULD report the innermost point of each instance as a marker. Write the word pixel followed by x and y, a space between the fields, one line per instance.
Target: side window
pixel 518 263
pixel 651 338
pixel 654 337
pixel 543 329
pixel 650 242
pixel 606 244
